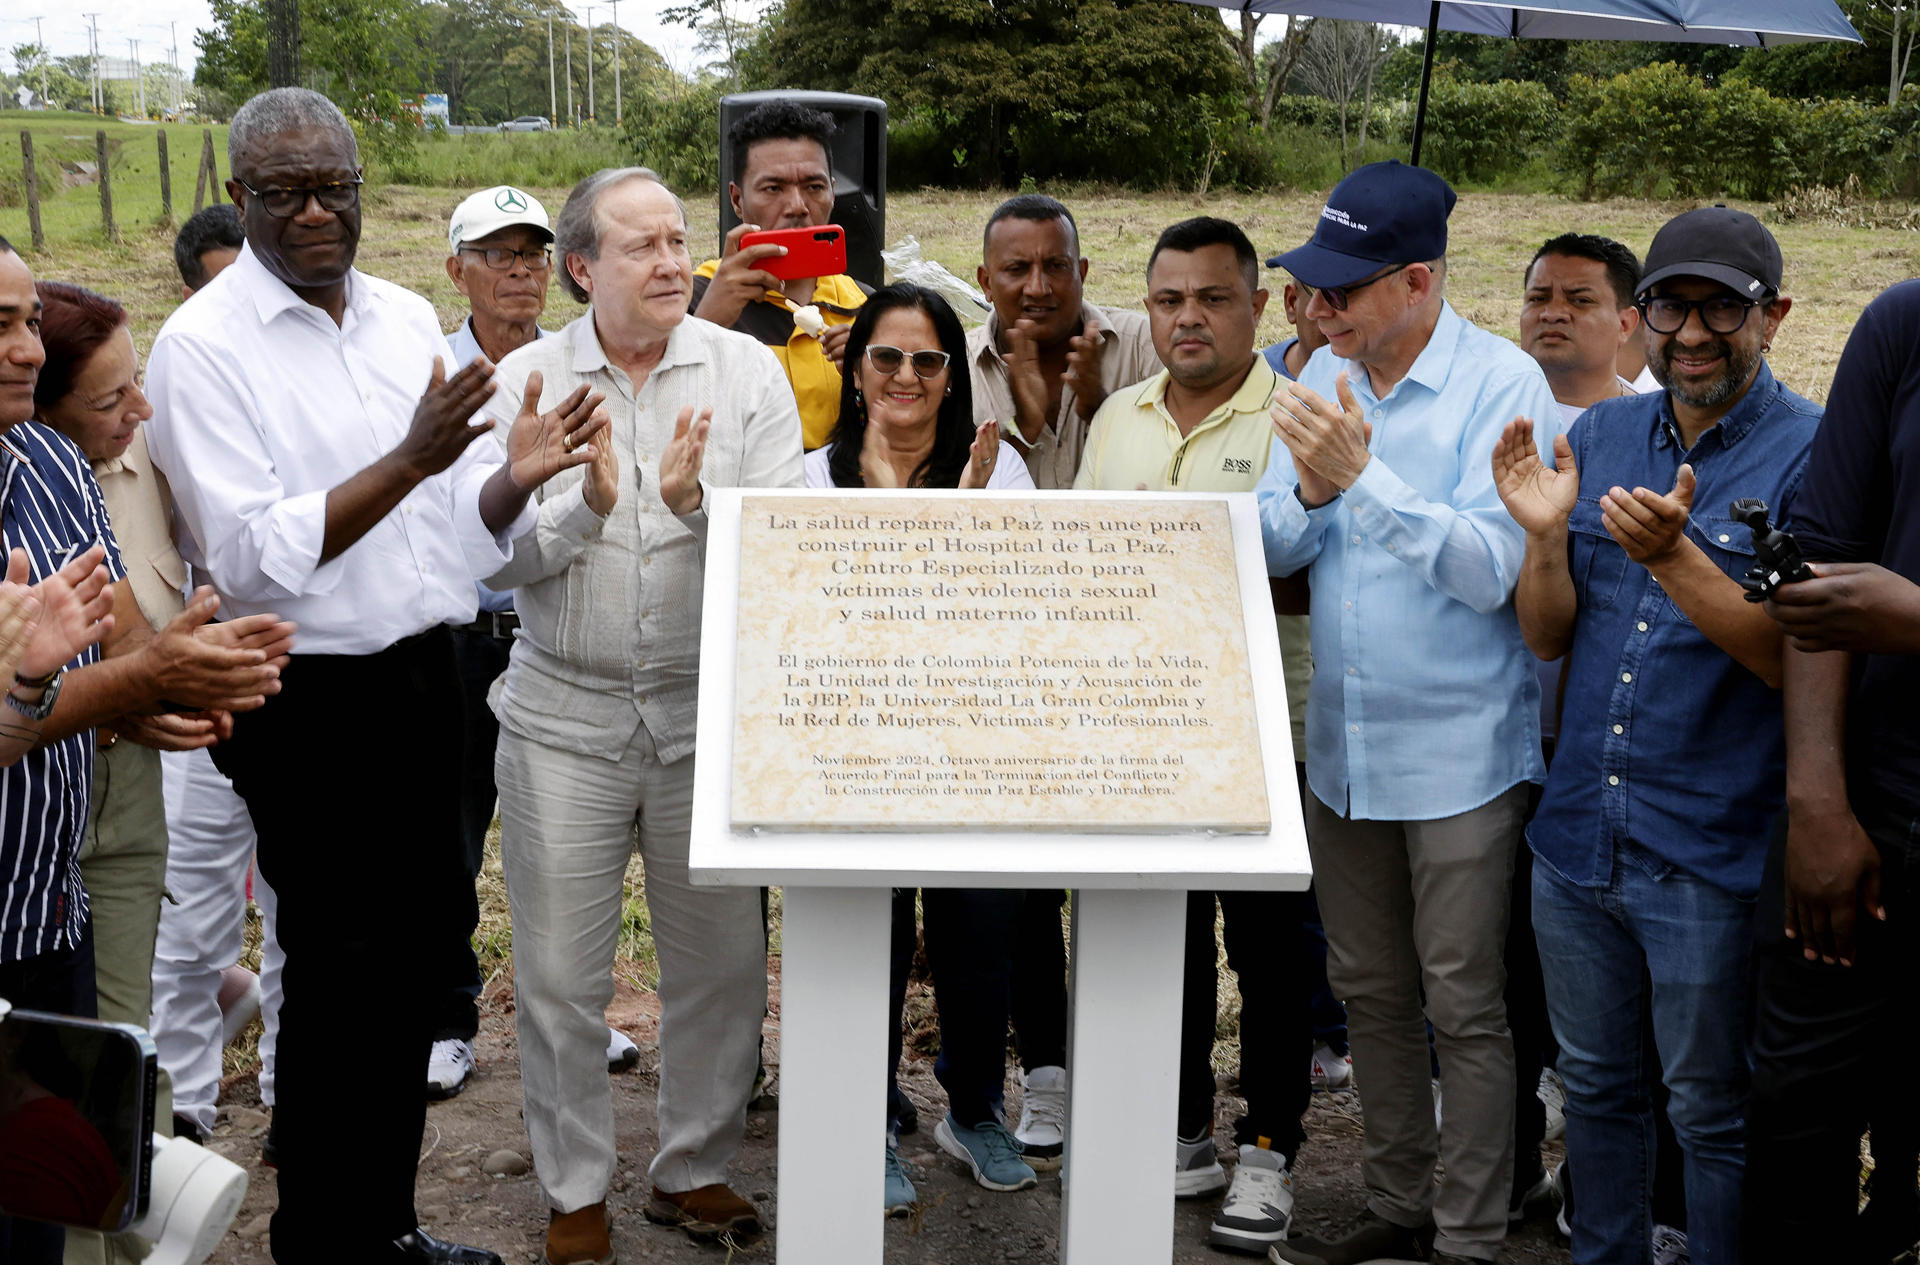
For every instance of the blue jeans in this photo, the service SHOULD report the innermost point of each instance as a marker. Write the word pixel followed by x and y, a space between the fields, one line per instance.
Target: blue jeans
pixel 1600 950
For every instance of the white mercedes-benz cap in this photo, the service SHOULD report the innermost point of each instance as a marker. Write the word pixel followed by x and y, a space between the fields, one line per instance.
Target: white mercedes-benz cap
pixel 491 210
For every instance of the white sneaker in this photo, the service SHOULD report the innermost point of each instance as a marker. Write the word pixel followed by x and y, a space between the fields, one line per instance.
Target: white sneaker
pixel 447 1068
pixel 235 1018
pixel 1259 1206
pixel 1329 1070
pixel 622 1053
pixel 1043 1118
pixel 1669 1246
pixel 1553 1096
pixel 1196 1168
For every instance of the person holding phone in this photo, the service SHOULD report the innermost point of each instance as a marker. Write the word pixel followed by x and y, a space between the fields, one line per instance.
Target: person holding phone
pixel 783 179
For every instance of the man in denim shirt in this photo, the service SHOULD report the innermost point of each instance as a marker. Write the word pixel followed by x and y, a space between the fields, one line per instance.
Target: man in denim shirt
pixel 1423 720
pixel 1652 830
pixel 1838 954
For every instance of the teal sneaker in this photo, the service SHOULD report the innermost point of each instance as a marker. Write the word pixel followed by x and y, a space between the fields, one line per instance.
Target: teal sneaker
pixel 900 1195
pixel 989 1150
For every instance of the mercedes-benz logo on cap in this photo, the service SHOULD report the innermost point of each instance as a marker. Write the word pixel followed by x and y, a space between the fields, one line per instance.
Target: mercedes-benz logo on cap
pixel 509 200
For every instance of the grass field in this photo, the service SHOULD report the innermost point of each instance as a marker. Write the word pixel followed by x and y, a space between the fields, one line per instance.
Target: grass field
pixel 71 215
pixel 1831 272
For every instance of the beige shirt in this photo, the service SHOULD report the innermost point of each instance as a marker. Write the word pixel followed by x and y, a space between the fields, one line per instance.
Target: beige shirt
pixel 610 608
pixel 1053 460
pixel 140 508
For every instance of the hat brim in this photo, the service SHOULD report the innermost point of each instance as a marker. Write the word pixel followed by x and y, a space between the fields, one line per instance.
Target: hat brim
pixel 1321 268
pixel 1744 284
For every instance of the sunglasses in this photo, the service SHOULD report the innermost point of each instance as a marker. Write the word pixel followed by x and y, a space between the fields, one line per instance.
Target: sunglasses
pixel 1721 314
pixel 1337 296
pixel 284 204
pixel 927 364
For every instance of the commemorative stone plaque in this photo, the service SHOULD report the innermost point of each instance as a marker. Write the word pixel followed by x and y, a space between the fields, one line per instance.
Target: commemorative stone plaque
pixel 920 662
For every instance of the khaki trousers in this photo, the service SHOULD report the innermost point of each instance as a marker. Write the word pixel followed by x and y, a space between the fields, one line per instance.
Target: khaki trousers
pixel 567 826
pixel 1423 904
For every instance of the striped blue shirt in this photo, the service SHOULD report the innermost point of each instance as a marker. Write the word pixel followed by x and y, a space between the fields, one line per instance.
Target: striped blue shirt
pixel 51 507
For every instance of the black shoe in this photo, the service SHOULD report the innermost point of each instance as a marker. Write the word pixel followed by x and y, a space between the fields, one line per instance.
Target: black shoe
pixel 185 1128
pixel 907 1118
pixel 1372 1238
pixel 421 1246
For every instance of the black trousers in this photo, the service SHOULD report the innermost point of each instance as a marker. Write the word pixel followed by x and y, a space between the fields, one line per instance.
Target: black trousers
pixel 1040 979
pixel 352 776
pixel 60 983
pixel 1832 1052
pixel 1268 949
pixel 481 658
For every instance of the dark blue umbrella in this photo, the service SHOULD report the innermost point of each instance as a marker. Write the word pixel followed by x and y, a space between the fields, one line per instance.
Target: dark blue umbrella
pixel 1760 23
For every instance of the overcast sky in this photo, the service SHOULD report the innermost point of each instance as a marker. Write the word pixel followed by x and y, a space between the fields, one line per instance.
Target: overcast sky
pixel 65 28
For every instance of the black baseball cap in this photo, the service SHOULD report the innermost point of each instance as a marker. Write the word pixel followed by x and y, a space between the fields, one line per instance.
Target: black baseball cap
pixel 1383 214
pixel 1719 243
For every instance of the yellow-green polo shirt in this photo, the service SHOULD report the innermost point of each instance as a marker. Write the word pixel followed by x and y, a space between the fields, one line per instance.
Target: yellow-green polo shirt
pixel 1134 440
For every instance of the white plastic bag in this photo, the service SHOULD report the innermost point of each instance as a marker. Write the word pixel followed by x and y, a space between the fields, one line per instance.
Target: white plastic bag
pixel 905 263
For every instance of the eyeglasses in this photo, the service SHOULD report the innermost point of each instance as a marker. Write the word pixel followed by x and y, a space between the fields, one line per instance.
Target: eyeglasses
pixel 1337 296
pixel 284 204
pixel 500 258
pixel 1721 314
pixel 927 364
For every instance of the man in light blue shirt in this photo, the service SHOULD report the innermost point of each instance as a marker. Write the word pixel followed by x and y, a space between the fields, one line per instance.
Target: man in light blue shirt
pixel 1423 724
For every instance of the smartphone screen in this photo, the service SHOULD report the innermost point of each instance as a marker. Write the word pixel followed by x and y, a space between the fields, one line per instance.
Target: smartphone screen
pixel 76 1120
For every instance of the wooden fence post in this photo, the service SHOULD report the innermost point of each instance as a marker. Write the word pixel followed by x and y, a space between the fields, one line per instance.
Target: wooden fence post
pixel 166 178
pixel 33 190
pixel 106 185
pixel 213 169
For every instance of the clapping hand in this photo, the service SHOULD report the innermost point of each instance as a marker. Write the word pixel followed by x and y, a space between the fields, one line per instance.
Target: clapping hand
pixel 442 421
pixel 1539 497
pixel 1328 443
pixel 981 455
pixel 1648 525
pixel 680 463
pixel 1027 381
pixel 231 667
pixel 541 445
pixel 876 470
pixel 1083 373
pixel 19 616
pixel 76 610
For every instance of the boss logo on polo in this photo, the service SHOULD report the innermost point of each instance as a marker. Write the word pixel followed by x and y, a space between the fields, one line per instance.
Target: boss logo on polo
pixel 1237 465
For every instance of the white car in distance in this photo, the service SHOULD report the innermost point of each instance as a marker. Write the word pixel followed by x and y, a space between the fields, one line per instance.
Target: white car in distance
pixel 527 123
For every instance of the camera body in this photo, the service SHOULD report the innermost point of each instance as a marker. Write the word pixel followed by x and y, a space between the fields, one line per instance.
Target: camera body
pixel 77 1145
pixel 1776 553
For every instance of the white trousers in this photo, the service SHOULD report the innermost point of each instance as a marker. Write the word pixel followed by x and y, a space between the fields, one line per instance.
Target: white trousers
pixel 567 826
pixel 210 848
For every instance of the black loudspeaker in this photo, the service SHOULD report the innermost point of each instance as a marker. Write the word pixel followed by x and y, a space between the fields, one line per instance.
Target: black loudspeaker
pixel 859 161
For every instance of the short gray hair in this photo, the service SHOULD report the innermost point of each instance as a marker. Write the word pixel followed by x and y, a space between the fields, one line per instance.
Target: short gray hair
pixel 577 231
pixel 283 110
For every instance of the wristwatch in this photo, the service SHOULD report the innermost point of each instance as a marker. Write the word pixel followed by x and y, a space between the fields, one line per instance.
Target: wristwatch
pixel 50 690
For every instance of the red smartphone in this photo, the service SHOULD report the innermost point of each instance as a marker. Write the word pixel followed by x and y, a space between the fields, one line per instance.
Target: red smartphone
pixel 811 252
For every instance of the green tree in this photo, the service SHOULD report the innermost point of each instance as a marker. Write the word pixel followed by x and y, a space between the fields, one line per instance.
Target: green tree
pixel 1127 90
pixel 370 56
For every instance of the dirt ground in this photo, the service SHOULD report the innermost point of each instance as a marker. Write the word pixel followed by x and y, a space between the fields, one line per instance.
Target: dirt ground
pixel 958 1224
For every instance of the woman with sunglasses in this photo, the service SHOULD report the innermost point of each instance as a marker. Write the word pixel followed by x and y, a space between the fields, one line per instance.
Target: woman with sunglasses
pixel 905 413
pixel 906 422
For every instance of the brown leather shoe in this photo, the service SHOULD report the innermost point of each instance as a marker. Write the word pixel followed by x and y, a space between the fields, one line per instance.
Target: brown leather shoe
pixel 580 1237
pixel 706 1214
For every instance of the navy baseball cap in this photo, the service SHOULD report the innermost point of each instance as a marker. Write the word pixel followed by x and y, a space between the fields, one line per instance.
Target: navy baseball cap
pixel 1383 214
pixel 1718 243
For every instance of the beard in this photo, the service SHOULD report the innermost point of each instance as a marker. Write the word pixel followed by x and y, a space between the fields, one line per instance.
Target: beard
pixel 1737 368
